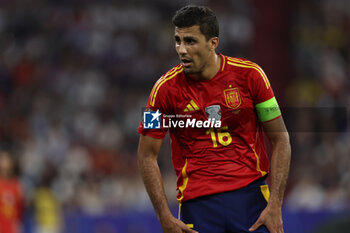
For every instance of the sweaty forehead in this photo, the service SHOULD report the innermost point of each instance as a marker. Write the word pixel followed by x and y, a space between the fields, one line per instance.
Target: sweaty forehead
pixel 192 31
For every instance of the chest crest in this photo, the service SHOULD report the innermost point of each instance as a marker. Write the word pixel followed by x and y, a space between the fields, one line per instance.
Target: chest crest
pixel 232 97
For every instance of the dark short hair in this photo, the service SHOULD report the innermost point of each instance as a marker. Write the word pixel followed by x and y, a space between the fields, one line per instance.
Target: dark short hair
pixel 191 15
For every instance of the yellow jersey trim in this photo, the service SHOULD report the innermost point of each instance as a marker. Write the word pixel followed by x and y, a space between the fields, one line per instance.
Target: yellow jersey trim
pixel 265 191
pixel 184 182
pixel 179 213
pixel 171 74
pixel 263 173
pixel 248 64
pixel 190 225
pixel 162 78
pixel 223 63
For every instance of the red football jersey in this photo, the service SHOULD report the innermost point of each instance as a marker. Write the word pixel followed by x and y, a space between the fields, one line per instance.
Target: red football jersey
pixel 213 160
pixel 11 203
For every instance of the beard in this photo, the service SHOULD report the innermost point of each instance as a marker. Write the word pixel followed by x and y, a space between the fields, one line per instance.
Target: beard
pixel 188 70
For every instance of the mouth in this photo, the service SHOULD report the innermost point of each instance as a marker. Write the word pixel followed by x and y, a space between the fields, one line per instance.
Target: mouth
pixel 186 62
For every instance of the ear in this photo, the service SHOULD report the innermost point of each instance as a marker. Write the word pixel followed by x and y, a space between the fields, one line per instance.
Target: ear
pixel 213 43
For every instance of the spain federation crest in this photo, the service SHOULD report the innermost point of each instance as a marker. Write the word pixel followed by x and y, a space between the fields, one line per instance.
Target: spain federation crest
pixel 232 97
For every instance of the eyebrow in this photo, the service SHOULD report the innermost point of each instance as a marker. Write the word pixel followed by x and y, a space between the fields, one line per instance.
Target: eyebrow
pixel 186 38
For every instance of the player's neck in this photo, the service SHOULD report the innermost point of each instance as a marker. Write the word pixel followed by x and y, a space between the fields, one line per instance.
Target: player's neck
pixel 211 68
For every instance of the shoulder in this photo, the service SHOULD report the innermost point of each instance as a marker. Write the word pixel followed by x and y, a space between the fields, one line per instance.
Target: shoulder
pixel 247 69
pixel 167 80
pixel 173 74
pixel 241 64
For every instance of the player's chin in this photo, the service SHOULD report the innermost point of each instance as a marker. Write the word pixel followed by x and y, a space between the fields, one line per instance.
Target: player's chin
pixel 188 70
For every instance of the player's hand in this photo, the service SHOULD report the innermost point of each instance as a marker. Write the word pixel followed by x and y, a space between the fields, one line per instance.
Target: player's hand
pixel 174 225
pixel 271 217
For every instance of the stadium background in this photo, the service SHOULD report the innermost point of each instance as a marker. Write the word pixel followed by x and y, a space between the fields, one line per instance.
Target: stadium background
pixel 74 75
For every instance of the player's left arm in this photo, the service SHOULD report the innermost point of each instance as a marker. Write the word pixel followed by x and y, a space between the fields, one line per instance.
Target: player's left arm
pixel 271 216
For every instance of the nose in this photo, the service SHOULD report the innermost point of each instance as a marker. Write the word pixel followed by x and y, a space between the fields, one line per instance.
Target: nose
pixel 181 49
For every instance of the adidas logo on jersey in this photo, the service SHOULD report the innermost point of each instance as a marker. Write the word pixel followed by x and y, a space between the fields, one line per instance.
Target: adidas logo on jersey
pixel 192 106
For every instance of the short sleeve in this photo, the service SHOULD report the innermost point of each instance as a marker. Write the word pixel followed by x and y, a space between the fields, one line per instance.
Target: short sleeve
pixel 265 103
pixel 259 85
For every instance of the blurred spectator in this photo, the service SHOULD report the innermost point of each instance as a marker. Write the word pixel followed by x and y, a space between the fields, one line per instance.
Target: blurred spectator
pixel 47 208
pixel 11 196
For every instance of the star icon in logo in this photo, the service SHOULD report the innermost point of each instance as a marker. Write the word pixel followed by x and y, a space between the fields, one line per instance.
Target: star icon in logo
pixel 156 115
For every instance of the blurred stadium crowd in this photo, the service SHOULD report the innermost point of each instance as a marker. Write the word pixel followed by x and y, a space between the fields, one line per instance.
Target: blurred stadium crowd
pixel 74 76
pixel 320 49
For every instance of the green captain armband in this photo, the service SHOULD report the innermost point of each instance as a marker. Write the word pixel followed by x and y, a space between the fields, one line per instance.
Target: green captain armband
pixel 268 110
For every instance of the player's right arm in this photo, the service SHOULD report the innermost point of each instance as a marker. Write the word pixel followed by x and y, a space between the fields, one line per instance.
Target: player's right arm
pixel 147 161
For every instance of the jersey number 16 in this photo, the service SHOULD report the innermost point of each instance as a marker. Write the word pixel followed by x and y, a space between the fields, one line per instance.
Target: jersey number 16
pixel 224 138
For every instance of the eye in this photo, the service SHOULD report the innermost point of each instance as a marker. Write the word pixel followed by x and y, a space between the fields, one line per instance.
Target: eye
pixel 190 41
pixel 177 40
